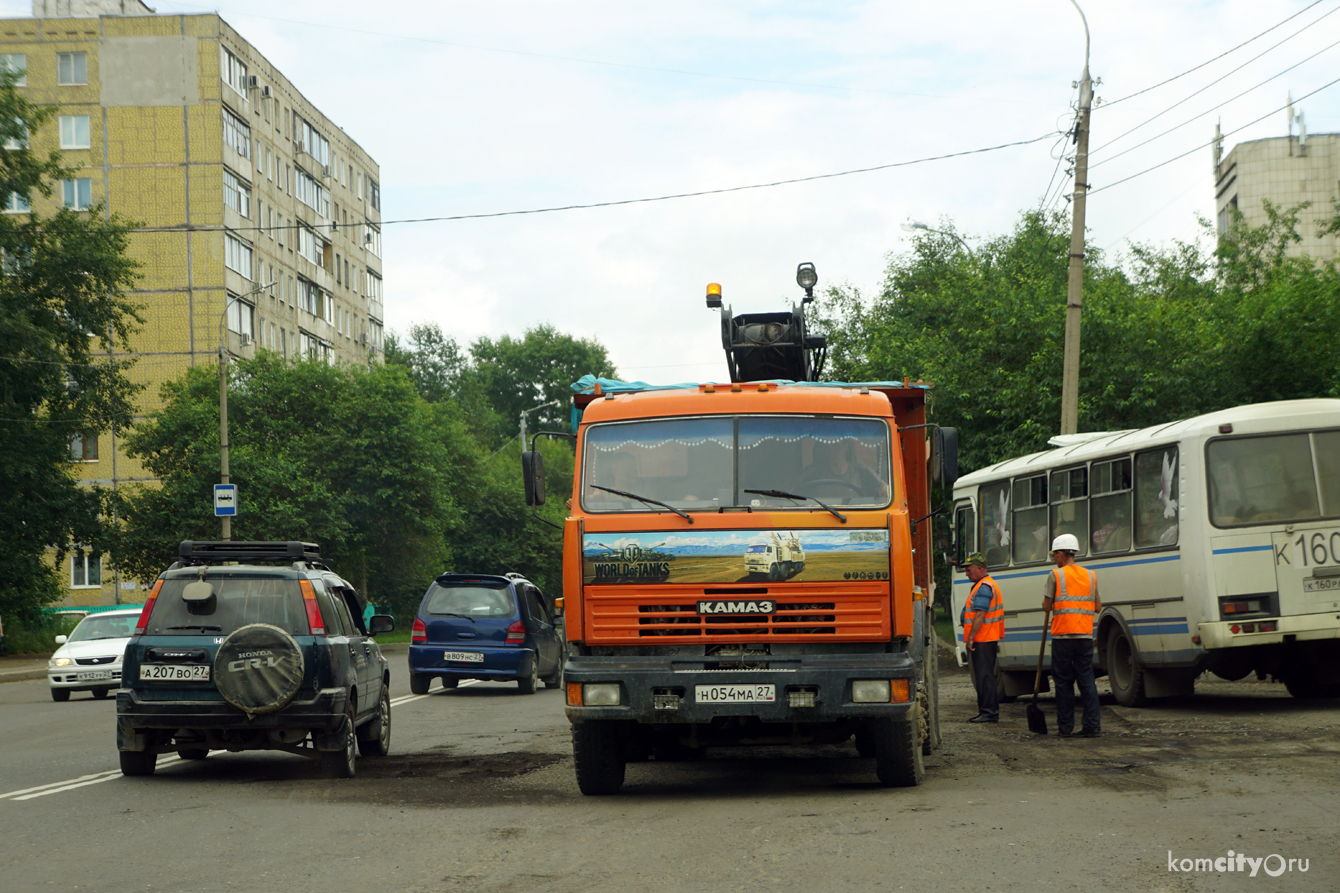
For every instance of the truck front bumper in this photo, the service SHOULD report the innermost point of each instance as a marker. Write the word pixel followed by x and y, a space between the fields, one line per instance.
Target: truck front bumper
pixel 666 690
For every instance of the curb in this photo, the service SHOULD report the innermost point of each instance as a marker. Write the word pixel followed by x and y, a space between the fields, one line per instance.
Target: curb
pixel 22 675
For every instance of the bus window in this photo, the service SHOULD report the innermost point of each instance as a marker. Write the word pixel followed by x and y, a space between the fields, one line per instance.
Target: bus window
pixel 1110 506
pixel 1156 498
pixel 995 504
pixel 1070 505
pixel 965 531
pixel 1326 447
pixel 1029 533
pixel 1259 480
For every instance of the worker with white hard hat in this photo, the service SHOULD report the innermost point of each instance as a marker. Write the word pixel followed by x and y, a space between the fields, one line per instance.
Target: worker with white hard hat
pixel 1071 594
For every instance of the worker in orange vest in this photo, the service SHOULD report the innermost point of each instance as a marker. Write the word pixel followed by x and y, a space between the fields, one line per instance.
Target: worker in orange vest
pixel 983 628
pixel 1071 594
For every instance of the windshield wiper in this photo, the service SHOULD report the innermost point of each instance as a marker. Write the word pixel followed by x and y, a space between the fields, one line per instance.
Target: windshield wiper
pixel 452 614
pixel 217 629
pixel 781 494
pixel 684 515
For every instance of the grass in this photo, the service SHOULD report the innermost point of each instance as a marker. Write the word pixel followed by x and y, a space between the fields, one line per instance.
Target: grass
pixel 944 628
pixel 391 638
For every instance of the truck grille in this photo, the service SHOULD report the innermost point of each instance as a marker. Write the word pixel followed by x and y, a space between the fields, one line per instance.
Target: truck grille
pixel 826 612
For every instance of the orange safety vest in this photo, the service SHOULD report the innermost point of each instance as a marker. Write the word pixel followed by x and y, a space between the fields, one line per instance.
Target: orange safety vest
pixel 1072 606
pixel 993 621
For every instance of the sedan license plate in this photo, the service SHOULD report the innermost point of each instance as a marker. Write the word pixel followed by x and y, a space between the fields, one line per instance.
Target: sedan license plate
pixel 468 657
pixel 90 675
pixel 174 672
pixel 735 694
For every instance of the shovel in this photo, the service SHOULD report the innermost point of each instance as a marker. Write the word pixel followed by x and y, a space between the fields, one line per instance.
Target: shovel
pixel 1037 721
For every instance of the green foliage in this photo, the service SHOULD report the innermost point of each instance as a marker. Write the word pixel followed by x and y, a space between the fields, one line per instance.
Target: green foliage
pixel 36 634
pixel 63 308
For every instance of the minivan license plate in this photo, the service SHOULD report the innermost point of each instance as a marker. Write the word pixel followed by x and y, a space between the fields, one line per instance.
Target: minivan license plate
pixel 174 672
pixel 469 657
pixel 735 694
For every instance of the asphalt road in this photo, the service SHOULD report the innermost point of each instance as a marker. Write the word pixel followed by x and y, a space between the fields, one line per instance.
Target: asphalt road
pixel 478 795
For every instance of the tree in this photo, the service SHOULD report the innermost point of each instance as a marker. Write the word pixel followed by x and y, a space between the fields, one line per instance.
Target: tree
pixel 63 309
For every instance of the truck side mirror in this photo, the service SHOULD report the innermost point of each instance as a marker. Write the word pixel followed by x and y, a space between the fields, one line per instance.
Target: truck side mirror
pixel 532 471
pixel 944 457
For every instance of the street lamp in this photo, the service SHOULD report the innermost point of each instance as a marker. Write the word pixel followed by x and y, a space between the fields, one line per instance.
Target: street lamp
pixel 912 226
pixel 524 412
pixel 223 398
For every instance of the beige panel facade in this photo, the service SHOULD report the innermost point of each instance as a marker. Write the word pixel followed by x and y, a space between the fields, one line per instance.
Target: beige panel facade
pixel 1286 173
pixel 237 181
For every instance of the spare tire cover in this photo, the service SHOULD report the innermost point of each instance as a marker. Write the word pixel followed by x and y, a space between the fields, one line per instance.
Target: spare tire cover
pixel 258 668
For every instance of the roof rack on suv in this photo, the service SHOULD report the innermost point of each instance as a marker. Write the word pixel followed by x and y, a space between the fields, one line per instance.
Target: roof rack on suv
pixel 193 551
pixel 513 575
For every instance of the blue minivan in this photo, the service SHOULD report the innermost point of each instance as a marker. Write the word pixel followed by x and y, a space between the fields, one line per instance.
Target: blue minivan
pixel 480 626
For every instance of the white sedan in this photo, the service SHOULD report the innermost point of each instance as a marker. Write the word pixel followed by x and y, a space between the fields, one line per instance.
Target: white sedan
pixel 89 659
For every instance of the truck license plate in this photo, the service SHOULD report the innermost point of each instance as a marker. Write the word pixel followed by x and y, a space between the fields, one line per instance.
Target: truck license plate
pixel 469 657
pixel 175 672
pixel 735 694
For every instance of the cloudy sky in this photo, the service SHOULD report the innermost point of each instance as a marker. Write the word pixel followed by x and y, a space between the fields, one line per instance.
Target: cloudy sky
pixel 478 108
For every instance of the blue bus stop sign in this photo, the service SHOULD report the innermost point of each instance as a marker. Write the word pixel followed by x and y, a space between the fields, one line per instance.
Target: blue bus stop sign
pixel 225 499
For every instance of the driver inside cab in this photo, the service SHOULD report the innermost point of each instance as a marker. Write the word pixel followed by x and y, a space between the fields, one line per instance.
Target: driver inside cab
pixel 838 472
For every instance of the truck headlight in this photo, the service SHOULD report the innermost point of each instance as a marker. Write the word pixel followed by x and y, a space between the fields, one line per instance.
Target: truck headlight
pixel 606 694
pixel 870 691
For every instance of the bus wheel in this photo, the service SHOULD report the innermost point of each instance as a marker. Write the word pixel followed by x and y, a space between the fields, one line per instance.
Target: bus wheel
pixel 1308 689
pixel 1124 672
pixel 898 759
pixel 1002 687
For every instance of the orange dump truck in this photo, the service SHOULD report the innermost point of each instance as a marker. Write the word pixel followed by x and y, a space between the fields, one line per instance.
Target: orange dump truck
pixel 675 646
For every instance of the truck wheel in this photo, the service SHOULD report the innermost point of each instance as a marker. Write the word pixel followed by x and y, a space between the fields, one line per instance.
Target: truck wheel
pixel 865 741
pixel 1124 672
pixel 774 572
pixel 60 695
pixel 193 753
pixel 1001 687
pixel 898 759
pixel 932 671
pixel 374 739
pixel 138 762
pixel 1307 689
pixel 598 754
pixel 419 682
pixel 340 763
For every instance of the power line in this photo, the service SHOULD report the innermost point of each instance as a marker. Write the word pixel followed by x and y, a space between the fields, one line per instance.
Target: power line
pixel 1216 58
pixel 1216 81
pixel 1213 141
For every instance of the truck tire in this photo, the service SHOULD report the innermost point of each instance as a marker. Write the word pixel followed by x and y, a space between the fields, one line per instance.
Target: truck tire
pixel 340 763
pixel 193 753
pixel 932 685
pixel 1124 672
pixel 774 572
pixel 374 738
pixel 419 682
pixel 898 759
pixel 259 669
pixel 598 754
pixel 138 762
pixel 865 741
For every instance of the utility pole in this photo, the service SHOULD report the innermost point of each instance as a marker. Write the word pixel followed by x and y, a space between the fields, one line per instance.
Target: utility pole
pixel 1075 285
pixel 223 427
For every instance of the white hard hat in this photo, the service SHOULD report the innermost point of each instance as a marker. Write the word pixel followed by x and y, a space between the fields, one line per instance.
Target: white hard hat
pixel 1065 542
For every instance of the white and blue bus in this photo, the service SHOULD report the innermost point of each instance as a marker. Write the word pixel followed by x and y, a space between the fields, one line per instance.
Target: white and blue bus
pixel 1215 540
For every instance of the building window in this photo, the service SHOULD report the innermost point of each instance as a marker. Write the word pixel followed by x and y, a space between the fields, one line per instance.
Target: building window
pixel 237 255
pixel 78 193
pixel 372 239
pixel 71 69
pixel 311 247
pixel 241 317
pixel 233 70
pixel 311 141
pixel 17 63
pixel 74 132
pixel 237 134
pixel 236 193
pixel 375 194
pixel 374 290
pixel 313 348
pixel 309 296
pixel 17 203
pixel 85 571
pixel 84 446
pixel 374 334
pixel 311 193
pixel 19 137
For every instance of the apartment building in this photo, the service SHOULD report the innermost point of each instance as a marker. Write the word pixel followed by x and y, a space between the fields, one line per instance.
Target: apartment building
pixel 261 217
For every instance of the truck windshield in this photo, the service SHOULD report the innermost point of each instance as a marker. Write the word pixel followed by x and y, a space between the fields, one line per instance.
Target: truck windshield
pixel 1268 480
pixel 706 463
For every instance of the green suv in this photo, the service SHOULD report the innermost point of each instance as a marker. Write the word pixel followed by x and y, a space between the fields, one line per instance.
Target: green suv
pixel 253 646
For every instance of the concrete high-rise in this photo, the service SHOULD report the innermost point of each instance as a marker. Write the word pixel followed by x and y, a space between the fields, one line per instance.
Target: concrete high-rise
pixel 261 217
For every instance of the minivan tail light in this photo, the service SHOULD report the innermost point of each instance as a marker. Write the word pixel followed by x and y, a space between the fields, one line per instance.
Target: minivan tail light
pixel 143 623
pixel 314 621
pixel 516 634
pixel 419 633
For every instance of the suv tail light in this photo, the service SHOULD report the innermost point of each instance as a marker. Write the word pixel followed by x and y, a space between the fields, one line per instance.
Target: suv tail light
pixel 418 633
pixel 516 634
pixel 143 623
pixel 314 621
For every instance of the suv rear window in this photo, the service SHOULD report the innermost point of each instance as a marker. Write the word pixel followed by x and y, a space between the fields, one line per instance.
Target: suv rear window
pixel 239 599
pixel 471 601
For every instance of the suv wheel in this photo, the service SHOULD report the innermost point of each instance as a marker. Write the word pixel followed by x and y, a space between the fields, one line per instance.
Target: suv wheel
pixel 374 739
pixel 138 762
pixel 531 681
pixel 419 682
pixel 340 763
